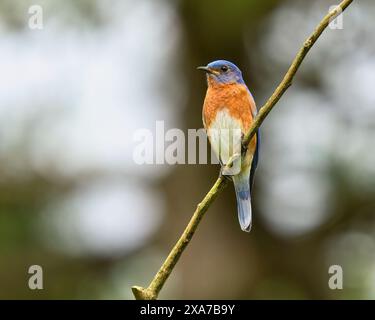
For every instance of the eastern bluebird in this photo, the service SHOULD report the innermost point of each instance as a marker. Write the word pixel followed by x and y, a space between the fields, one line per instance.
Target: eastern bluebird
pixel 229 107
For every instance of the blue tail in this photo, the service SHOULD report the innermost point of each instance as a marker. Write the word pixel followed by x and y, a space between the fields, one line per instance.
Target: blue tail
pixel 242 188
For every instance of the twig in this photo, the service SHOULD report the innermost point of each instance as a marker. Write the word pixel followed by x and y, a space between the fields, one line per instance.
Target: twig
pixel 152 291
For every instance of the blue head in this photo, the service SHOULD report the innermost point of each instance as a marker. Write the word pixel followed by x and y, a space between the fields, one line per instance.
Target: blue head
pixel 223 71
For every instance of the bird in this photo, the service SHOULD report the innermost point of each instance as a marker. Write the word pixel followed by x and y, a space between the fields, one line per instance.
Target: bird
pixel 228 112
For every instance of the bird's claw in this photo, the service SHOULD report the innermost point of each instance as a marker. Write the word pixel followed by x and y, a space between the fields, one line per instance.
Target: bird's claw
pixel 229 171
pixel 223 175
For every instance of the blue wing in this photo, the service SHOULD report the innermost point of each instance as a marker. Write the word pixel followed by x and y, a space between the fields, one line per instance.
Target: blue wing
pixel 254 163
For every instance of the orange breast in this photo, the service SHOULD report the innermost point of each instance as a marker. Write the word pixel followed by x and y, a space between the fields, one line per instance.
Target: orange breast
pixel 233 97
pixel 236 99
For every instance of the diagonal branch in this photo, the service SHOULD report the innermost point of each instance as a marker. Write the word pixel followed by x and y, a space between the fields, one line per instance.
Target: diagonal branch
pixel 152 291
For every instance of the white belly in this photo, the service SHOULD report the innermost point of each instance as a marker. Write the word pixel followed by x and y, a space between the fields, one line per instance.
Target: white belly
pixel 225 136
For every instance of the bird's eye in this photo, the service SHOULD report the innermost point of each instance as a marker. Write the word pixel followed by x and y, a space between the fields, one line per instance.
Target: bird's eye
pixel 224 68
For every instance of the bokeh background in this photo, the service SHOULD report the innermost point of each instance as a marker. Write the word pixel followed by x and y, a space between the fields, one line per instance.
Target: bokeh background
pixel 73 201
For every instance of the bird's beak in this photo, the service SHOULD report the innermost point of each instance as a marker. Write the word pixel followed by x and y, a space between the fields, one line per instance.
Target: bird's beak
pixel 206 69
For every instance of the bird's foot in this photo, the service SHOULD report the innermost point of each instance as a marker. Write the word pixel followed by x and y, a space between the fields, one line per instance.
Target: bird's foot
pixel 224 176
pixel 233 168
